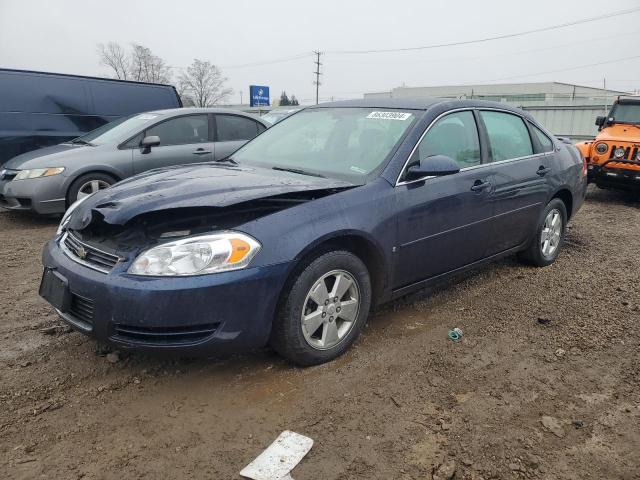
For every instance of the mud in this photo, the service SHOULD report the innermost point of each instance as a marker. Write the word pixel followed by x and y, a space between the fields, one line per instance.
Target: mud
pixel 545 383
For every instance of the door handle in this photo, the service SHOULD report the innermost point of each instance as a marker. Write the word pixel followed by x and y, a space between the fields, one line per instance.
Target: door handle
pixel 480 185
pixel 201 151
pixel 542 171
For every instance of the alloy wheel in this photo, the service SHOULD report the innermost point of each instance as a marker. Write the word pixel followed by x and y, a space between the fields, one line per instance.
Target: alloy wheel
pixel 90 187
pixel 330 309
pixel 551 233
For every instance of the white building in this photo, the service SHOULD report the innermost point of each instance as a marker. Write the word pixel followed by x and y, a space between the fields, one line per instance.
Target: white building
pixel 566 110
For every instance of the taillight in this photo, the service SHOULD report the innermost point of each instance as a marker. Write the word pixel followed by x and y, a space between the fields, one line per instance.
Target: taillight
pixel 584 166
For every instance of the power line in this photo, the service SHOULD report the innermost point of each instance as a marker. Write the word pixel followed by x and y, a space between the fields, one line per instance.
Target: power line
pixel 565 69
pixel 488 39
pixel 269 62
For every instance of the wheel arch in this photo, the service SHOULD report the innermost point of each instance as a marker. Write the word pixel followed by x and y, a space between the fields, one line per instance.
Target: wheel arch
pixel 566 196
pixel 358 243
pixel 104 171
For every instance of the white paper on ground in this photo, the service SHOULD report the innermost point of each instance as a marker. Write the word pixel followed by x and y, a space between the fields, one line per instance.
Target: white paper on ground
pixel 279 458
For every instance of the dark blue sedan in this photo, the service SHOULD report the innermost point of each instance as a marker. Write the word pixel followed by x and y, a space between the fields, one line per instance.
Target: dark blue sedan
pixel 293 238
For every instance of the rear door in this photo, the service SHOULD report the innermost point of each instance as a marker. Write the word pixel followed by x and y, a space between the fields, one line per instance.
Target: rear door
pixel 520 172
pixel 184 139
pixel 233 131
pixel 444 222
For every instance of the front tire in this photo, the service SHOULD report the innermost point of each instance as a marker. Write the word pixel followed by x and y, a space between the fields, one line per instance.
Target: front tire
pixel 323 311
pixel 88 184
pixel 549 237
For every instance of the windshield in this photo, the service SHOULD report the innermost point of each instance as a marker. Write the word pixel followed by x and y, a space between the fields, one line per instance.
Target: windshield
pixel 626 112
pixel 351 144
pixel 116 131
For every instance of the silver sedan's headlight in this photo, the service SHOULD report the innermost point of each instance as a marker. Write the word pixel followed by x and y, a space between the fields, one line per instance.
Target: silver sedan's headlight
pixel 67 214
pixel 217 252
pixel 38 172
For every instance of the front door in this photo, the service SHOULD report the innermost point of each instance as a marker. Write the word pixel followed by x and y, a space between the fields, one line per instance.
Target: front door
pixel 184 139
pixel 444 222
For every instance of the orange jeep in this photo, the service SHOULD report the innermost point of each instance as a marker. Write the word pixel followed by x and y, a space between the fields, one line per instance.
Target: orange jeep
pixel 613 158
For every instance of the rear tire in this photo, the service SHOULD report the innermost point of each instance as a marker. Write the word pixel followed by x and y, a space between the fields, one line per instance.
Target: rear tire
pixel 547 242
pixel 87 184
pixel 323 309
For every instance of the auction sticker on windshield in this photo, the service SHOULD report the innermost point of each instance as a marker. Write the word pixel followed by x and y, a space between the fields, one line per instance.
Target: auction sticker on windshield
pixel 390 115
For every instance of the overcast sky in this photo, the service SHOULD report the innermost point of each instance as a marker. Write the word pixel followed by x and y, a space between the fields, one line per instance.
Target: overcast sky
pixel 61 36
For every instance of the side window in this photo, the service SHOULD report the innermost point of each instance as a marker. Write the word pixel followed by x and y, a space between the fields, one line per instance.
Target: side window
pixel 546 142
pixel 135 141
pixel 261 128
pixel 182 130
pixel 235 127
pixel 508 136
pixel 456 136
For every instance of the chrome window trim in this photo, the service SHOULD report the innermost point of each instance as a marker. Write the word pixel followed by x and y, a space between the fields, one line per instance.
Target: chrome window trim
pixel 472 109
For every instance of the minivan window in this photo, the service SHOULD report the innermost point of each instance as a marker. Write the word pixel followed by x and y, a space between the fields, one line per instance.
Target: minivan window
pixel 182 130
pixel 456 136
pixel 345 143
pixel 234 127
pixel 508 136
pixel 545 142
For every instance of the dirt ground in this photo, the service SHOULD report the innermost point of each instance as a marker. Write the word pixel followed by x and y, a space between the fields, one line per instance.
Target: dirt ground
pixel 544 385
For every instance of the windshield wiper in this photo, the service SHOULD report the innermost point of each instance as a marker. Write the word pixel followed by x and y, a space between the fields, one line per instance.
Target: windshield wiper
pixel 299 171
pixel 226 159
pixel 80 141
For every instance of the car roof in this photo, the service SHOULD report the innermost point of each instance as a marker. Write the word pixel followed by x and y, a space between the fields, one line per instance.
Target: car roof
pixel 189 110
pixel 418 103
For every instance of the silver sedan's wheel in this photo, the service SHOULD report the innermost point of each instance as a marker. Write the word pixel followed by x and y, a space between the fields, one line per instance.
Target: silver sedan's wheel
pixel 551 234
pixel 330 309
pixel 91 186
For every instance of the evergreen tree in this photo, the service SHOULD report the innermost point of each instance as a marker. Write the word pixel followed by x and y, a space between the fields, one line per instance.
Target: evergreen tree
pixel 284 100
pixel 294 101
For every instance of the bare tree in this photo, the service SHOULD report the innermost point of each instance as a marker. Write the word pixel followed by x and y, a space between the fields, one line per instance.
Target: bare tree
pixel 144 66
pixel 202 84
pixel 114 56
pixel 140 64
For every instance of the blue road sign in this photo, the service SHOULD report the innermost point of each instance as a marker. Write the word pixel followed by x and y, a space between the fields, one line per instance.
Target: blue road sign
pixel 258 96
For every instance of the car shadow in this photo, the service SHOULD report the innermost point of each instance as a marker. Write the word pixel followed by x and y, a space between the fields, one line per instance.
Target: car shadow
pixel 12 220
pixel 611 196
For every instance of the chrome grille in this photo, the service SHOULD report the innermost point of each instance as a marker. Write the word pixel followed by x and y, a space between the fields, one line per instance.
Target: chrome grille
pixel 88 255
pixel 630 154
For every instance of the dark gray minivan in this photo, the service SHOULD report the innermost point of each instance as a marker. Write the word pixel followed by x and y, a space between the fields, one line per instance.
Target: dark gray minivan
pixel 39 109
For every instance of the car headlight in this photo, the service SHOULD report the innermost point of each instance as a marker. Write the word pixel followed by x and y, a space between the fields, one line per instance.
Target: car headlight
pixel 602 148
pixel 217 252
pixel 618 152
pixel 38 172
pixel 67 214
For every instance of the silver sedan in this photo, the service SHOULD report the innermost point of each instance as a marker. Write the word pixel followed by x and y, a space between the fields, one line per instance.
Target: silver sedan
pixel 48 180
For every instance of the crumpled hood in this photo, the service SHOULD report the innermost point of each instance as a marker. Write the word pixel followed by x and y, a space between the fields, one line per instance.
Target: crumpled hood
pixel 54 156
pixel 201 185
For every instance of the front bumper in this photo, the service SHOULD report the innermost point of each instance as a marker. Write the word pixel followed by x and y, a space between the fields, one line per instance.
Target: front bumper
pixel 201 315
pixel 40 195
pixel 621 178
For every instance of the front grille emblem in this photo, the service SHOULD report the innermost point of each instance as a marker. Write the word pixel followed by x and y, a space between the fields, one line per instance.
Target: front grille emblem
pixel 81 252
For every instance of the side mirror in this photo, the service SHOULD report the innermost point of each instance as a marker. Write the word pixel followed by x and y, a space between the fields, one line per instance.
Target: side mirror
pixel 600 120
pixel 434 166
pixel 148 142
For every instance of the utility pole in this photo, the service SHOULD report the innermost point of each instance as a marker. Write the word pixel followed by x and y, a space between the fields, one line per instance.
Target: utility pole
pixel 240 97
pixel 317 73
